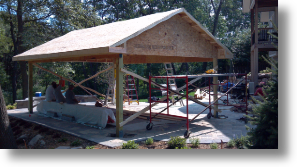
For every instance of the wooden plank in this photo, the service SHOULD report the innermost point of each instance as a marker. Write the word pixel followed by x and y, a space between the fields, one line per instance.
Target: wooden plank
pixel 30 89
pixel 81 82
pixel 84 88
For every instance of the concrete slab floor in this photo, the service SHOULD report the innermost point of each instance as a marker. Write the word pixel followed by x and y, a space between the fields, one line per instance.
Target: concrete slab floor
pixel 207 130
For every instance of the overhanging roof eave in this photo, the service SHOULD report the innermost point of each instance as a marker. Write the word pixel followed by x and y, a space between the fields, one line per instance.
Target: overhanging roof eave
pixel 71 54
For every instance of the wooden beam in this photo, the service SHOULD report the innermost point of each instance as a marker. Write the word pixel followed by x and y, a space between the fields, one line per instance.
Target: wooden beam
pixel 119 95
pixel 83 87
pixel 141 59
pixel 30 88
pixel 81 82
pixel 97 58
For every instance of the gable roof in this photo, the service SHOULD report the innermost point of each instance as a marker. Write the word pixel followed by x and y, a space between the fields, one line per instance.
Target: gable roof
pixel 101 39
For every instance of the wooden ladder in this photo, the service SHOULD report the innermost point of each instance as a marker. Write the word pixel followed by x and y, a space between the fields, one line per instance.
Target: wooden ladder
pixel 131 91
pixel 171 81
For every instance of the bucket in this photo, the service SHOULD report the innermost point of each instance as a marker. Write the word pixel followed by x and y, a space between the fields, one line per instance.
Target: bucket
pixel 37 94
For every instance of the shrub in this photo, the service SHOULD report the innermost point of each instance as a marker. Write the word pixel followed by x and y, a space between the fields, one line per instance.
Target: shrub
pixel 10 107
pixel 231 143
pixel 90 147
pixel 178 142
pixel 76 143
pixel 130 145
pixel 195 142
pixel 214 146
pixel 149 141
pixel 241 142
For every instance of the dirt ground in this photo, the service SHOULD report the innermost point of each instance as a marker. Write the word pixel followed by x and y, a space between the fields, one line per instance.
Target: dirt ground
pixel 54 138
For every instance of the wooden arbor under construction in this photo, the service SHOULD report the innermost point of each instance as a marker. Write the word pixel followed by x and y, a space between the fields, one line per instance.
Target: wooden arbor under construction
pixel 173 36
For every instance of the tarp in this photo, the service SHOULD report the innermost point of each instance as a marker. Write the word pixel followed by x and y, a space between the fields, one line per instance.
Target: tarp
pixel 97 116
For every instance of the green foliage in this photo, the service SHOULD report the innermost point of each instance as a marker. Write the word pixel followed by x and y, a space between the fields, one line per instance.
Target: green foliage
pixel 177 141
pixel 76 143
pixel 265 134
pixel 130 145
pixel 9 107
pixel 231 143
pixel 267 70
pixel 241 142
pixel 90 147
pixel 214 146
pixel 195 142
pixel 149 141
pixel 183 147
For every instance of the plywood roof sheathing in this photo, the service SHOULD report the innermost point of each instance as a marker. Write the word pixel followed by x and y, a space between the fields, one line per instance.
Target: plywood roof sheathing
pixel 104 39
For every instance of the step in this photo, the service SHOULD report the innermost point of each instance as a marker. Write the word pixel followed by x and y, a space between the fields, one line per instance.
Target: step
pixel 130 89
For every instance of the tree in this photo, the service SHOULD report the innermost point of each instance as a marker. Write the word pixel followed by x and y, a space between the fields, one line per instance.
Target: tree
pixel 7 140
pixel 265 134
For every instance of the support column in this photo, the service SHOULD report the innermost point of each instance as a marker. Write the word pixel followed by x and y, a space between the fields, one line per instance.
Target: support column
pixel 30 88
pixel 215 87
pixel 119 95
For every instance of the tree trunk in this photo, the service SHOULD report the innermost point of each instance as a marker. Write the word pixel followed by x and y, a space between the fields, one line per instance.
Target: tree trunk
pixel 217 14
pixel 14 68
pixel 20 48
pixel 7 140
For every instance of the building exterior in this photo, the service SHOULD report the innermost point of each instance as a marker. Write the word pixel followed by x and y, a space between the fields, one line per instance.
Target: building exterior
pixel 262 11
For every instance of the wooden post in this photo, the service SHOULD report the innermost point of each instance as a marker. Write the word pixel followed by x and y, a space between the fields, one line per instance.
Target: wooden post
pixel 215 87
pixel 30 88
pixel 119 95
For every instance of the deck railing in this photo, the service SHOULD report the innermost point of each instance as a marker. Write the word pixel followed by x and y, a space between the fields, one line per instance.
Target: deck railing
pixel 264 37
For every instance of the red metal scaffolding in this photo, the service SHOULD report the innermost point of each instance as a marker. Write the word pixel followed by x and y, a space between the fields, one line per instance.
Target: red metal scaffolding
pixel 149 126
